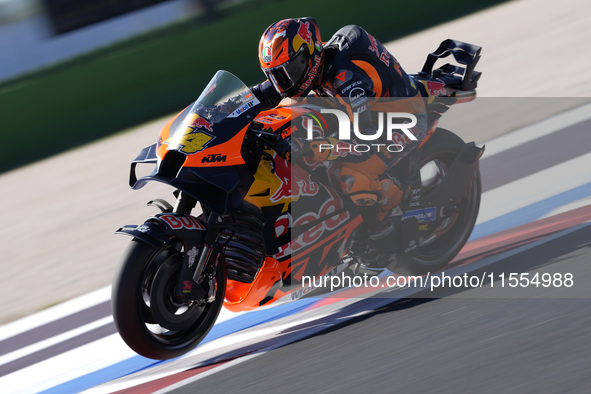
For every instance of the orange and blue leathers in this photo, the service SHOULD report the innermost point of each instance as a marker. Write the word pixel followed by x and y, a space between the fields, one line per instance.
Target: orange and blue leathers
pixel 357 71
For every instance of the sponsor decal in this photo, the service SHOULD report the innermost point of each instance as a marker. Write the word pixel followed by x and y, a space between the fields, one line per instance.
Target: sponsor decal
pixel 191 139
pixel 311 74
pixel 295 182
pixel 192 254
pixel 356 93
pixel 182 222
pixel 305 34
pixel 342 76
pixel 396 211
pixel 142 228
pixel 375 48
pixel 359 103
pixel 267 58
pixel 423 215
pixel 373 44
pixel 187 285
pixel 435 88
pixel 214 158
pixel 245 107
pixel 270 118
pixel 344 90
pixel 358 99
pixel 315 233
pixel 201 123
pixel 282 225
pixel 194 142
pixel 276 116
pixel 286 132
pixel 415 197
pixel 385 57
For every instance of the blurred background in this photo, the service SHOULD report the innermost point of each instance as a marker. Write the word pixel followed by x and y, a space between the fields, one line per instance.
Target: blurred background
pixel 72 72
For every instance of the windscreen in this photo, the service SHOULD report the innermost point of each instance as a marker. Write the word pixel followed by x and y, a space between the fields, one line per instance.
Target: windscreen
pixel 225 96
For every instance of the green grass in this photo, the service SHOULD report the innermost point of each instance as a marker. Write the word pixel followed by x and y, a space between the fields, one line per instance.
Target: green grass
pixel 161 72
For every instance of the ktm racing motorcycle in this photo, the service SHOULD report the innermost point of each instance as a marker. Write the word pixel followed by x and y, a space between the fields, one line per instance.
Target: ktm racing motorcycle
pixel 235 236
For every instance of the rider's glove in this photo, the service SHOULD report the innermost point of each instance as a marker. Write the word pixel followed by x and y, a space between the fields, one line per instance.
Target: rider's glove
pixel 293 147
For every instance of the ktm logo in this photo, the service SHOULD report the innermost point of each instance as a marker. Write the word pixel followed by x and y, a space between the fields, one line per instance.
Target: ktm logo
pixel 215 158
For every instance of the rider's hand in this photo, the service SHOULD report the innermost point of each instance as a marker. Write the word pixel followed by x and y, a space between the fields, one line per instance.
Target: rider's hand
pixel 289 148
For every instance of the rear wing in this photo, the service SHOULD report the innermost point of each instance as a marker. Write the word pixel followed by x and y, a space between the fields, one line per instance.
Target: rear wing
pixel 463 53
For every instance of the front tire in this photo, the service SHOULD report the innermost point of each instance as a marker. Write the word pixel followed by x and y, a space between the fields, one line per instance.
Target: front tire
pixel 145 279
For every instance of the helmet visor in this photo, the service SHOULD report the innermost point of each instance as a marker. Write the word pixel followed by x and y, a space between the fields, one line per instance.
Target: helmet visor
pixel 288 77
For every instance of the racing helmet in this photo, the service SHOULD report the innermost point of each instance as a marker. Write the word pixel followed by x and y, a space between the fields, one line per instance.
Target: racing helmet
pixel 290 54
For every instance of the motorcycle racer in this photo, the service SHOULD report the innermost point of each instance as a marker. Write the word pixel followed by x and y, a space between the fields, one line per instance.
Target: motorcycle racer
pixel 355 69
pixel 266 224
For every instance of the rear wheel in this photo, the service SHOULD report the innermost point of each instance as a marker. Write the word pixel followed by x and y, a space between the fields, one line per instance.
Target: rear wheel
pixel 438 249
pixel 150 318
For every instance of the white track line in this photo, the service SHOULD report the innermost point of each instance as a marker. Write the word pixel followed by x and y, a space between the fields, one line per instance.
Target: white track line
pixel 56 312
pixel 67 366
pixel 25 351
pixel 534 188
pixel 537 130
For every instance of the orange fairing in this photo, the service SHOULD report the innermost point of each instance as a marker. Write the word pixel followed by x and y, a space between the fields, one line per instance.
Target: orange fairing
pixel 162 147
pixel 229 150
pixel 246 296
pixel 275 118
pixel 241 297
pixel 225 154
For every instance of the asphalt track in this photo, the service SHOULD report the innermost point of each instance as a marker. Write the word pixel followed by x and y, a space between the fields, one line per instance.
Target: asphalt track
pixel 457 340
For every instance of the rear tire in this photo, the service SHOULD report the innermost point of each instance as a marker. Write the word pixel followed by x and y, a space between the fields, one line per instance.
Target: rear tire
pixel 434 253
pixel 132 289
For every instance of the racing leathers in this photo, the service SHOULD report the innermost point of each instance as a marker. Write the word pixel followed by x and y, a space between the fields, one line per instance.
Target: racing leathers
pixel 356 71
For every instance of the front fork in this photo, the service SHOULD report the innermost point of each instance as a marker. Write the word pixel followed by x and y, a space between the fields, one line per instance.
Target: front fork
pixel 198 251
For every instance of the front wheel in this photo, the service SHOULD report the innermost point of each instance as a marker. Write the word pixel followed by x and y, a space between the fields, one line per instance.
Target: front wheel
pixel 435 251
pixel 149 317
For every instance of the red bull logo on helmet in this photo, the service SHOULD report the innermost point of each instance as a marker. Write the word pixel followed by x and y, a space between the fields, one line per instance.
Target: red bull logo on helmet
pixel 311 74
pixel 304 33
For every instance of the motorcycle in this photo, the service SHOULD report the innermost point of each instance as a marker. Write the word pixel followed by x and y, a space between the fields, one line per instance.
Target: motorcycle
pixel 248 244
